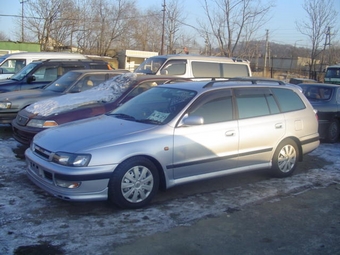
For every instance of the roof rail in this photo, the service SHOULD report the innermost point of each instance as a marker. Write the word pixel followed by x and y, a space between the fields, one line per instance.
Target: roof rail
pixel 252 80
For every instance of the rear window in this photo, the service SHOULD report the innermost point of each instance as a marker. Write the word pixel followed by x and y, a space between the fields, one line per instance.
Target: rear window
pixel 317 92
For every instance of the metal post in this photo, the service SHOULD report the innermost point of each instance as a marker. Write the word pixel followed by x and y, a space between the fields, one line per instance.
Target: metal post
pixel 163 24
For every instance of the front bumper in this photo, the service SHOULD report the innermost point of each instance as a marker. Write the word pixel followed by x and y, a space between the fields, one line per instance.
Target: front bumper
pixel 94 180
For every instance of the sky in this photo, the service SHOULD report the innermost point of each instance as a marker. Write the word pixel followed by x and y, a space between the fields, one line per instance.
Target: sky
pixel 282 25
pixel 30 216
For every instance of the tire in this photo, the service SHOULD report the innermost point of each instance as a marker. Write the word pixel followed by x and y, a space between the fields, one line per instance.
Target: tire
pixel 333 132
pixel 133 183
pixel 285 158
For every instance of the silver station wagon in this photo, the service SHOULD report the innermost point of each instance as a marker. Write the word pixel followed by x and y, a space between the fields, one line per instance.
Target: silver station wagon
pixel 174 134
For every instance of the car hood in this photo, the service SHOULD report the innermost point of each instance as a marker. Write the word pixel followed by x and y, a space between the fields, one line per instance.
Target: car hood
pixel 86 135
pixel 7 81
pixel 27 94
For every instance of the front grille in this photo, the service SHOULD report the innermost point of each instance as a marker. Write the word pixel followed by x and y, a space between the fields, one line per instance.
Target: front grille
pixel 21 120
pixel 42 152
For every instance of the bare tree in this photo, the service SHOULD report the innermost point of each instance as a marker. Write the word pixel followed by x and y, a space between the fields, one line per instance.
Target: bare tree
pixel 320 14
pixel 232 21
pixel 49 21
pixel 144 31
pixel 111 20
pixel 173 21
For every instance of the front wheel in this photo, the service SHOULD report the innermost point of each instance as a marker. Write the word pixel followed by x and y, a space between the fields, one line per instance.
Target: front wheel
pixel 285 158
pixel 133 183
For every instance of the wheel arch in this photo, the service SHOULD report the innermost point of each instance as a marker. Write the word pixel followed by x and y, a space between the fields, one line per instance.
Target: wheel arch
pixel 162 179
pixel 298 144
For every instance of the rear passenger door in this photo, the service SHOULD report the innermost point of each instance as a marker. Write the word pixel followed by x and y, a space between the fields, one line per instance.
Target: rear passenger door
pixel 261 125
pixel 212 146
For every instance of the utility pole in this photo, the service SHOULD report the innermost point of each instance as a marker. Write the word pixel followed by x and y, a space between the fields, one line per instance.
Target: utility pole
pixel 163 28
pixel 22 20
pixel 265 55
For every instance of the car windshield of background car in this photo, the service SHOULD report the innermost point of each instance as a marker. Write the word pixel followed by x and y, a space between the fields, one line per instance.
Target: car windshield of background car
pixel 21 74
pixel 158 105
pixel 107 91
pixel 64 82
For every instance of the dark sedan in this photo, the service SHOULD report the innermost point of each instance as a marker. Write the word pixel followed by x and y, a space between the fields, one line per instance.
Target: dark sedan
pixel 99 100
pixel 325 98
pixel 71 82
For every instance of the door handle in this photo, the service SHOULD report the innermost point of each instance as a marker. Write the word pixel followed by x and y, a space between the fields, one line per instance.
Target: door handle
pixel 230 133
pixel 278 125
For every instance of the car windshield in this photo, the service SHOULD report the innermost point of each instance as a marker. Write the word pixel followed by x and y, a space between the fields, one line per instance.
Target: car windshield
pixel 64 82
pixel 316 92
pixel 333 72
pixel 150 65
pixel 23 72
pixel 158 105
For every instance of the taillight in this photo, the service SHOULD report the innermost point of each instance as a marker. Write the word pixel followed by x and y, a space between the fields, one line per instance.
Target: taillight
pixel 316 114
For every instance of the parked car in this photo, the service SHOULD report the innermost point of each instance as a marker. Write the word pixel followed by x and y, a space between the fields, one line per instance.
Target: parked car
pixel 38 74
pixel 99 100
pixel 195 67
pixel 174 134
pixel 301 80
pixel 325 98
pixel 72 82
pixel 12 63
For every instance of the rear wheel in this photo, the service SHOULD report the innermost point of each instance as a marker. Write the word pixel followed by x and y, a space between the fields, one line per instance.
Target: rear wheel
pixel 333 132
pixel 285 158
pixel 133 183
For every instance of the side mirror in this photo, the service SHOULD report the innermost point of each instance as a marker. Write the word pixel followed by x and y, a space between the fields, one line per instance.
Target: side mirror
pixel 192 121
pixel 1 71
pixel 30 79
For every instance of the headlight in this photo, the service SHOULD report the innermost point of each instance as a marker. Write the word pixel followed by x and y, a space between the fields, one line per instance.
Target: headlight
pixel 42 123
pixel 5 105
pixel 70 159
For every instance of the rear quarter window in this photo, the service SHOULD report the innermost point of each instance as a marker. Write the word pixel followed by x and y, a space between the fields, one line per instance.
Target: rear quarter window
pixel 205 69
pixel 235 70
pixel 288 100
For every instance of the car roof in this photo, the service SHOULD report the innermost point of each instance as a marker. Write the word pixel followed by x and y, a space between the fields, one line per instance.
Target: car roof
pixel 234 83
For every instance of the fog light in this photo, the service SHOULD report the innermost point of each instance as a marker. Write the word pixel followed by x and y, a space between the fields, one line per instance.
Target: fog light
pixel 67 184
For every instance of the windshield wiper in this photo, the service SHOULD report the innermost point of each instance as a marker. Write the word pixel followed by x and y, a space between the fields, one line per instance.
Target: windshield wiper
pixel 150 121
pixel 123 116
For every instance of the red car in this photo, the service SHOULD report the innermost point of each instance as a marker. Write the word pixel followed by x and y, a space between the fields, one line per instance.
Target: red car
pixel 98 100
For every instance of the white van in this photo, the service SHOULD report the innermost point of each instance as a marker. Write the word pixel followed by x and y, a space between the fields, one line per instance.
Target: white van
pixel 12 63
pixel 197 67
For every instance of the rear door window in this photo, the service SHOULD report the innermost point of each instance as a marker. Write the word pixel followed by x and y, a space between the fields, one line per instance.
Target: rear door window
pixel 255 102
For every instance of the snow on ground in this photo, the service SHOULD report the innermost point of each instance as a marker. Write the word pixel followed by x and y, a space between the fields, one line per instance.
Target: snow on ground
pixel 29 216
